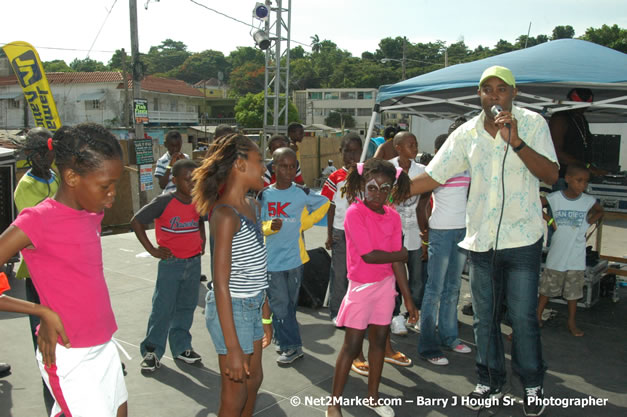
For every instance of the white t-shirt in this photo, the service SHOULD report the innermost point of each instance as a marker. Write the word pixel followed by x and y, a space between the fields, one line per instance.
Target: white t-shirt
pixel 568 244
pixel 449 203
pixel 407 210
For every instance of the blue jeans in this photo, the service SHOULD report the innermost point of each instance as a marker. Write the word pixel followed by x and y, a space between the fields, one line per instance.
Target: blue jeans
pixel 173 305
pixel 415 278
pixel 283 298
pixel 446 263
pixel 514 279
pixel 338 282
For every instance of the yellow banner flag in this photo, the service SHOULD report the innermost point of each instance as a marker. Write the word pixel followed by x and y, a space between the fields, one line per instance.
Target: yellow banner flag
pixel 30 73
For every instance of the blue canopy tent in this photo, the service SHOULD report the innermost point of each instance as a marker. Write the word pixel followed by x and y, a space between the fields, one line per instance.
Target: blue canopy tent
pixel 544 75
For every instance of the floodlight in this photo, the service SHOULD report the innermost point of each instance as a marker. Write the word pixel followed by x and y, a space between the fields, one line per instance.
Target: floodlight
pixel 261 11
pixel 262 39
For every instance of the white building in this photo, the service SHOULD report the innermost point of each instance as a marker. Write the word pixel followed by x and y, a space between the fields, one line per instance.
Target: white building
pixel 315 104
pixel 99 97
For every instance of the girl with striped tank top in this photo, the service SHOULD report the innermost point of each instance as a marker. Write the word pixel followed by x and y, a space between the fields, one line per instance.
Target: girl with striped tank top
pixel 237 312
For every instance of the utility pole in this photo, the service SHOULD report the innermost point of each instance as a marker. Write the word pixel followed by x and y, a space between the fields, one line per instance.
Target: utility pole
pixel 403 65
pixel 137 75
pixel 126 121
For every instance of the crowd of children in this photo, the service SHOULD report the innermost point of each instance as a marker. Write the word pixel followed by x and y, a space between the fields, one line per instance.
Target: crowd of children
pixel 378 236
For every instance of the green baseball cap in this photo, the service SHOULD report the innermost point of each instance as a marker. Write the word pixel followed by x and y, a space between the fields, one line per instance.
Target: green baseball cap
pixel 500 72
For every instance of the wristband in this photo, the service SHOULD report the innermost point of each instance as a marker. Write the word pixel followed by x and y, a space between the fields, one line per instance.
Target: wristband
pixel 519 147
pixel 550 222
pixel 425 243
pixel 266 321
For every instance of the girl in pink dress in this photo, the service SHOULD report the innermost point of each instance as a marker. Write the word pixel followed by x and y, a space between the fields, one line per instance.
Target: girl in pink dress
pixel 375 260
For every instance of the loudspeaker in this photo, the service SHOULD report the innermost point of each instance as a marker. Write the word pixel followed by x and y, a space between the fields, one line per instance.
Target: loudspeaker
pixel 315 278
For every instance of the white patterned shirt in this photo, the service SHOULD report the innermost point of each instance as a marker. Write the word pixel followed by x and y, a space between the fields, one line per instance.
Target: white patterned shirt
pixel 472 148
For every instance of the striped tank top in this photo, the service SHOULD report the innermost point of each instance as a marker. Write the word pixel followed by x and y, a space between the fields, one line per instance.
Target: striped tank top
pixel 249 259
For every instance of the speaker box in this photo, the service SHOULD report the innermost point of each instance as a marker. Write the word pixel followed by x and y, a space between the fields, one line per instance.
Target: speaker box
pixel 315 279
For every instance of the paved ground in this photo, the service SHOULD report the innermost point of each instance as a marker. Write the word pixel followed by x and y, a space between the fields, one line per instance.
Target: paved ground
pixel 578 367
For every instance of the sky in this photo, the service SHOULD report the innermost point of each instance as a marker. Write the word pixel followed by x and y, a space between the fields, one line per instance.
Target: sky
pixel 69 29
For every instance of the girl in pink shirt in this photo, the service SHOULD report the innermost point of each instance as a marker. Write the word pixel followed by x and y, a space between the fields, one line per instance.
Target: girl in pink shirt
pixel 60 241
pixel 375 259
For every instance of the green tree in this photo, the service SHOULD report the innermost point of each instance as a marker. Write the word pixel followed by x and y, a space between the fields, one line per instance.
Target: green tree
pixel 244 55
pixel 563 32
pixel 87 65
pixel 165 57
pixel 249 111
pixel 303 75
pixel 315 44
pixel 611 36
pixel 201 66
pixel 58 65
pixel 339 119
pixel 115 63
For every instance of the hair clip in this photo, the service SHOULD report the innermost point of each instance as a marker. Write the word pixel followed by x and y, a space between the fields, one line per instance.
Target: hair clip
pixel 360 168
pixel 399 171
pixel 49 144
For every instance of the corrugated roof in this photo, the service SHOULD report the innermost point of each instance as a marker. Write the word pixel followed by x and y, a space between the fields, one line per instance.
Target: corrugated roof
pixel 149 83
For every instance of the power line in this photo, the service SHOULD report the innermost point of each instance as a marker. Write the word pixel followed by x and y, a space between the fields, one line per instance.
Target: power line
pixel 60 49
pixel 101 26
pixel 240 21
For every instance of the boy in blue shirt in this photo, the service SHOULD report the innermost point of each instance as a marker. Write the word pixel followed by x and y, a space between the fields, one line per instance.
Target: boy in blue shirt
pixel 287 209
pixel 573 213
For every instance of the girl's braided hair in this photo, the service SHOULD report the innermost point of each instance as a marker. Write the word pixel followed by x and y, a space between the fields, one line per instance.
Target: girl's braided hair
pixel 83 147
pixel 215 168
pixel 355 182
pixel 36 151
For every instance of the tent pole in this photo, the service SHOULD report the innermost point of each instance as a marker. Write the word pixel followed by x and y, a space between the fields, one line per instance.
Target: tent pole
pixel 373 118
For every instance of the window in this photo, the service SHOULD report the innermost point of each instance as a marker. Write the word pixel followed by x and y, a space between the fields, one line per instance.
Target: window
pixel 315 95
pixel 364 95
pixel 92 104
pixel 173 105
pixel 14 104
pixel 331 95
pixel 365 111
pixel 155 104
pixel 348 95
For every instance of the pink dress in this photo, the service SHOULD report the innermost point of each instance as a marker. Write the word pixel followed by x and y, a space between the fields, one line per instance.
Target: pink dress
pixel 371 289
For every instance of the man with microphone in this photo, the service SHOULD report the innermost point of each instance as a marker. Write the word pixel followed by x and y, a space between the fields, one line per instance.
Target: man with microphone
pixel 507 150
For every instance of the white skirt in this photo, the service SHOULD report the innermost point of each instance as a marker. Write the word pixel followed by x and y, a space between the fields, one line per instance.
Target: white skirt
pixel 85 382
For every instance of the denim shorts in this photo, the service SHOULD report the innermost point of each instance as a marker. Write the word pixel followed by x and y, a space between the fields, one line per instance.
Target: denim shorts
pixel 247 318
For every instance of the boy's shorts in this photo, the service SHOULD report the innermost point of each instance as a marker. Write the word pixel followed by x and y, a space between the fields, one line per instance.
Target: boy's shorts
pixel 86 382
pixel 247 319
pixel 568 284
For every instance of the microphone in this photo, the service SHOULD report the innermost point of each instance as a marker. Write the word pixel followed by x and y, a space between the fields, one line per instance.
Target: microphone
pixel 496 109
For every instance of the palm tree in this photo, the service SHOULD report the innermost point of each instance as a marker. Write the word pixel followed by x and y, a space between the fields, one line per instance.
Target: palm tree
pixel 315 44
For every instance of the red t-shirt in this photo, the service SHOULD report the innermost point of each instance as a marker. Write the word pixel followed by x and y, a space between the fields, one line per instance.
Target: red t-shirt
pixel 177 224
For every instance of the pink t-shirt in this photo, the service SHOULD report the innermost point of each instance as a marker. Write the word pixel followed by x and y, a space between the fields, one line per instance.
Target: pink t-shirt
pixel 66 268
pixel 367 231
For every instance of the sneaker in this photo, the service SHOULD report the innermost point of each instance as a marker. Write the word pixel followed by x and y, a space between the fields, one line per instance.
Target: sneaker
pixel 398 325
pixel 467 309
pixel 150 362
pixel 438 360
pixel 534 401
pixel 189 356
pixel 334 320
pixel 483 397
pixel 462 348
pixel 285 358
pixel 414 327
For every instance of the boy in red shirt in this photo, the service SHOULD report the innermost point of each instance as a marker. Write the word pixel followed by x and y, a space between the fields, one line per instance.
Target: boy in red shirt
pixel 180 233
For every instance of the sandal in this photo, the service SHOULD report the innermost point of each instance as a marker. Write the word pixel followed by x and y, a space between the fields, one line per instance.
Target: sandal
pixel 360 367
pixel 381 410
pixel 398 359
